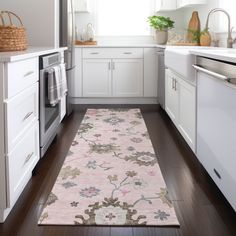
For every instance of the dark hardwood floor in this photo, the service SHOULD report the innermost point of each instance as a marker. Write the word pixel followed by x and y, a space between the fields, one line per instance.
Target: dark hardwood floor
pixel 201 208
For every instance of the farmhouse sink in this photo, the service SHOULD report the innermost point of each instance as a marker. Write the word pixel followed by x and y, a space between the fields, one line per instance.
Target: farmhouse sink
pixel 180 60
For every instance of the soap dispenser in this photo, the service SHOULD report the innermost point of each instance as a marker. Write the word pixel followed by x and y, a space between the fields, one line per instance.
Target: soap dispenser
pixel 90 32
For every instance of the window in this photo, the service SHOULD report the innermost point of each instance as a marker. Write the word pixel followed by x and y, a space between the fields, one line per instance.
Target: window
pixel 230 7
pixel 123 17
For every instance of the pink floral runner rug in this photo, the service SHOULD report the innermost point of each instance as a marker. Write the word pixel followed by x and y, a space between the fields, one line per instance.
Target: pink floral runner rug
pixel 110 176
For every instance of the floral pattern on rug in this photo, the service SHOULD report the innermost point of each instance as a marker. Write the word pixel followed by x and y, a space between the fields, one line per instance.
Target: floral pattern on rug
pixel 110 176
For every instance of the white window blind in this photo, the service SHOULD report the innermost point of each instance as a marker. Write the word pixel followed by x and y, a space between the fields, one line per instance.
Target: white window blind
pixel 123 17
pixel 229 6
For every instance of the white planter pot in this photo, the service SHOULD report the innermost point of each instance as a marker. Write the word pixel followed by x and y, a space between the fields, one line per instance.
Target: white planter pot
pixel 161 36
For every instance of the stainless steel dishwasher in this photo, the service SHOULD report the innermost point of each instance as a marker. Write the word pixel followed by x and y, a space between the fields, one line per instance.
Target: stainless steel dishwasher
pixel 216 123
pixel 161 76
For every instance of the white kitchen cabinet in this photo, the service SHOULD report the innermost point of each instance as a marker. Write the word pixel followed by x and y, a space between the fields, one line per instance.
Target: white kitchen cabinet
pixel 127 77
pixel 150 72
pixel 20 112
pixel 19 146
pixel 171 99
pixel 112 72
pixel 121 53
pixel 187 111
pixel 112 77
pixel 21 74
pixel 81 5
pixel 20 163
pixel 181 106
pixel 189 3
pixel 122 74
pixel 97 78
pixel 166 5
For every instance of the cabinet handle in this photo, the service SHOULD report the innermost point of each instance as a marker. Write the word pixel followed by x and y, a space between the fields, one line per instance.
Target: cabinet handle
pixel 27 115
pixel 127 53
pixel 217 174
pixel 94 53
pixel 28 73
pixel 173 83
pixel 28 158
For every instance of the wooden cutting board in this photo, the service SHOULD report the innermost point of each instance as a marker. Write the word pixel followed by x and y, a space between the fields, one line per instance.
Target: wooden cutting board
pixel 183 44
pixel 194 25
pixel 86 43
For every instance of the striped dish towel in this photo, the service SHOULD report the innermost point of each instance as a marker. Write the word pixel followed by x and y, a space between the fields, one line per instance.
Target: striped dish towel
pixel 54 85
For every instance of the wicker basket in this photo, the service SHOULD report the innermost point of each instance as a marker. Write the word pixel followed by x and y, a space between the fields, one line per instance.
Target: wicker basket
pixel 12 38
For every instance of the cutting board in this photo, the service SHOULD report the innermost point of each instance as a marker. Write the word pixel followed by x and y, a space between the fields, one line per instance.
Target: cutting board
pixel 86 43
pixel 194 25
pixel 183 44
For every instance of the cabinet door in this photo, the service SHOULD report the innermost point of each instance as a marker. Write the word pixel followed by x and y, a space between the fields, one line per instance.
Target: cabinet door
pixel 187 111
pixel 96 78
pixel 20 112
pixel 188 3
pixel 171 96
pixel 20 163
pixel 127 77
pixel 165 5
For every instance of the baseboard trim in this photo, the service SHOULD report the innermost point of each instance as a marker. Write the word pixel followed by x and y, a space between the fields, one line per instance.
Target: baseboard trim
pixel 114 101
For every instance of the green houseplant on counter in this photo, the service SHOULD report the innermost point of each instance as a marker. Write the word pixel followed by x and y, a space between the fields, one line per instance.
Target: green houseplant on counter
pixel 161 24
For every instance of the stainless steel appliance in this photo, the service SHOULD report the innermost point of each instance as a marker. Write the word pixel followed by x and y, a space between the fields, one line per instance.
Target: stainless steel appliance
pixel 161 76
pixel 49 115
pixel 216 123
pixel 67 39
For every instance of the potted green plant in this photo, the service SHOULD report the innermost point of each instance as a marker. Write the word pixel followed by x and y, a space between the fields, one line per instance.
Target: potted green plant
pixel 161 24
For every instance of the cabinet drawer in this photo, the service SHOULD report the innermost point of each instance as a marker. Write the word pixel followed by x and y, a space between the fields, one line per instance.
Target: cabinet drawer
pixel 21 74
pixel 113 53
pixel 20 163
pixel 20 112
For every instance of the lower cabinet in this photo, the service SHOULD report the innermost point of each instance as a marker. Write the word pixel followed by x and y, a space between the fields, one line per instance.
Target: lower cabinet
pixel 112 77
pixel 20 163
pixel 181 106
pixel 96 77
pixel 19 124
pixel 171 99
pixel 127 77
pixel 117 73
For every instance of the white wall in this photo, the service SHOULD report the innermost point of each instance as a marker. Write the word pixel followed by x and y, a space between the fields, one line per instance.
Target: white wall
pixel 82 19
pixel 40 19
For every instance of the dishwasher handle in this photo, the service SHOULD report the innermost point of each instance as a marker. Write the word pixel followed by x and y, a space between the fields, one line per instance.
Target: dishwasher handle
pixel 212 73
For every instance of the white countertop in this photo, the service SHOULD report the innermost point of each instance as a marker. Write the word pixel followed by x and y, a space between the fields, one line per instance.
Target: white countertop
pixel 30 52
pixel 223 54
pixel 146 45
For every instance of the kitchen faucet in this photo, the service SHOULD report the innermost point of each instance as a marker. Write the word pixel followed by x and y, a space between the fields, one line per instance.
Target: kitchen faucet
pixel 230 40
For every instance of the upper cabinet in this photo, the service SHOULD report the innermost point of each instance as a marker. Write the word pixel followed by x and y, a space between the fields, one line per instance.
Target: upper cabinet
pixel 166 5
pixel 189 3
pixel 81 5
pixel 170 5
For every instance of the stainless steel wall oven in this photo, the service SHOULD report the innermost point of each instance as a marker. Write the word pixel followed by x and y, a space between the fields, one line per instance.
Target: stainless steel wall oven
pixel 49 115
